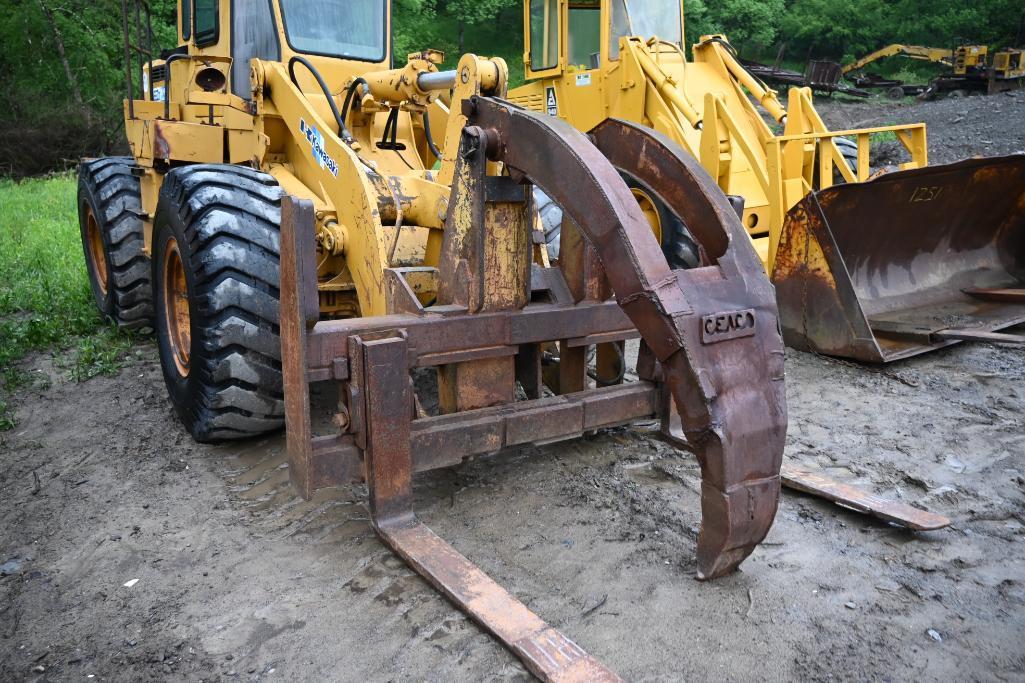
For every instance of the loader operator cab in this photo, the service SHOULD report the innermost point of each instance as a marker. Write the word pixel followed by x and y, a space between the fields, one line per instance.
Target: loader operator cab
pixel 352 30
pixel 567 36
pixel 571 50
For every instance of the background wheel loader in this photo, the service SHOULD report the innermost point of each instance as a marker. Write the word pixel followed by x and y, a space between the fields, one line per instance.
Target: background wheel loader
pixel 871 268
pixel 287 217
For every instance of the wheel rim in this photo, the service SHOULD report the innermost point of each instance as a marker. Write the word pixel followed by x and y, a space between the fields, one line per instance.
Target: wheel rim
pixel 97 256
pixel 177 318
pixel 650 211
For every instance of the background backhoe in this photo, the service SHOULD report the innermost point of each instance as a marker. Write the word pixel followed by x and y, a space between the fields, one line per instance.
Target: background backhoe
pixel 972 69
pixel 937 55
pixel 872 268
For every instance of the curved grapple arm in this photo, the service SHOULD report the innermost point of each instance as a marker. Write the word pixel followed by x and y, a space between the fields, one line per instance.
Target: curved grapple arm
pixel 713 329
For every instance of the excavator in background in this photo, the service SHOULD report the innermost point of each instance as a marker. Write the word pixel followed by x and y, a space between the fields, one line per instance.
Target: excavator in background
pixel 977 71
pixel 895 89
pixel 973 69
pixel 875 267
pixel 937 55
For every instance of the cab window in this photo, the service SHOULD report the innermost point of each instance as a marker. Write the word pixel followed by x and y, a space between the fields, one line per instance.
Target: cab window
pixel 350 29
pixel 253 36
pixel 207 25
pixel 585 35
pixel 544 34
pixel 645 19
pixel 186 19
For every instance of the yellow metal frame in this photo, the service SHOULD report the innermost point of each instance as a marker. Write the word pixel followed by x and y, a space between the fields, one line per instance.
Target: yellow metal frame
pixel 969 57
pixel 1009 63
pixel 375 208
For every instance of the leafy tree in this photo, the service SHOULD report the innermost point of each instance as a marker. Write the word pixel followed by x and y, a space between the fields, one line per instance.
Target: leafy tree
pixel 749 23
pixel 62 72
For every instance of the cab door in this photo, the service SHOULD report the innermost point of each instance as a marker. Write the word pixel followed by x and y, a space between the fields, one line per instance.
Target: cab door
pixel 563 55
pixel 583 49
pixel 542 59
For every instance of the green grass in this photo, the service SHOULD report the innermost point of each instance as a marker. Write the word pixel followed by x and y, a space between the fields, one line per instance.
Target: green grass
pixel 45 299
pixel 885 136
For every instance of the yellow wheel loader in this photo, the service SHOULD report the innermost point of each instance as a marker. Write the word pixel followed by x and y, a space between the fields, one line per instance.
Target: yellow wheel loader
pixel 870 266
pixel 295 211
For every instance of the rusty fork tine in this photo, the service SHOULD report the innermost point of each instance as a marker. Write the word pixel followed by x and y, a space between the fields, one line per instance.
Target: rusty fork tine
pixel 549 654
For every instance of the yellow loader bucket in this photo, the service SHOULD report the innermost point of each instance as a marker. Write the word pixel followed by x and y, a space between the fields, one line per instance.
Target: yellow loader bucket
pixel 906 263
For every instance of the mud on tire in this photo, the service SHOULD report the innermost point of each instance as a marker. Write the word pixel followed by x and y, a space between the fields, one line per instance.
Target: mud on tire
pixel 109 205
pixel 223 222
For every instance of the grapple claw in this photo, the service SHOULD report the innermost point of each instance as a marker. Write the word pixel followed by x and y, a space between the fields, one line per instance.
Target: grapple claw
pixel 714 328
pixel 711 348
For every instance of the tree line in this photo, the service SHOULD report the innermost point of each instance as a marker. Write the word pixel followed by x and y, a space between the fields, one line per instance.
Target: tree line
pixel 62 78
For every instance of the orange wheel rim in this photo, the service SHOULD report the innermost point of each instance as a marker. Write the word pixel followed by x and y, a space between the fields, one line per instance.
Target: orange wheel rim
pixel 177 318
pixel 650 211
pixel 97 257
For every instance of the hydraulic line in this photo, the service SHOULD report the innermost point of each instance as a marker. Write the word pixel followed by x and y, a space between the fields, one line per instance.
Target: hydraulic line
pixel 343 132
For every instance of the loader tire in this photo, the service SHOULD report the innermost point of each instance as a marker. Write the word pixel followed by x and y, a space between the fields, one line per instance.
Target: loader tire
pixel 216 277
pixel 551 220
pixel 109 205
pixel 849 151
pixel 678 245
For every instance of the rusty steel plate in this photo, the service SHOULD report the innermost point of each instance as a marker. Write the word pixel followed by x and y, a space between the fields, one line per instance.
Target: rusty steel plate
pixel 859 500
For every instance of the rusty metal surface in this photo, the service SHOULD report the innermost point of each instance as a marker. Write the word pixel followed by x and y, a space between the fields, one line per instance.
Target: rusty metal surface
pixel 981 336
pixel 545 651
pixel 730 393
pixel 549 654
pixel 484 266
pixel 861 265
pixel 728 384
pixel 859 500
pixel 445 440
pixel 712 330
pixel 445 330
pixel 997 294
pixel 295 318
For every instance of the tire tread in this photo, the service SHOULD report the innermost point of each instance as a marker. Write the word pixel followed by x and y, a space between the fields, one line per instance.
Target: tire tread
pixel 231 217
pixel 109 180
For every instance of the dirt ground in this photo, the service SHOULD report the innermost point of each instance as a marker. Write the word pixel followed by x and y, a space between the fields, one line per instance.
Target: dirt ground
pixel 236 578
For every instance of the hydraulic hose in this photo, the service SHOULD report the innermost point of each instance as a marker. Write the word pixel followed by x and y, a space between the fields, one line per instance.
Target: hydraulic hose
pixel 348 95
pixel 343 132
pixel 430 138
